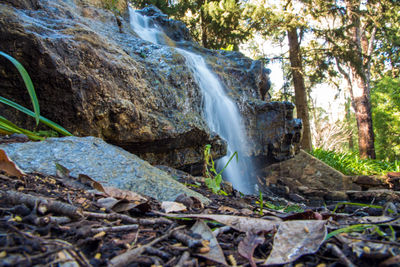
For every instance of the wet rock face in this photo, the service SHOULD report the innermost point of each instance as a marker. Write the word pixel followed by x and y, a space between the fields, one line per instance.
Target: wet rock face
pixel 96 78
pixel 109 165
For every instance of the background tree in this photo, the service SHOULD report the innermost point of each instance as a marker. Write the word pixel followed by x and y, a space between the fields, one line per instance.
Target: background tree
pixel 350 28
pixel 215 24
pixel 386 115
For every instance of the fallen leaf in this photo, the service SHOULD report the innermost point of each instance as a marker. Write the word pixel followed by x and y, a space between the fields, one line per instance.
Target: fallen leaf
pixel 239 223
pixel 85 179
pixel 107 202
pixel 123 194
pixel 170 206
pixel 61 171
pixel 226 209
pixel 305 215
pixel 8 166
pixel 296 238
pixel 215 252
pixel 248 245
pixel 121 205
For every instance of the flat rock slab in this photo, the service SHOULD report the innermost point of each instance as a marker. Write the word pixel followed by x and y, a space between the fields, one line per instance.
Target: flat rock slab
pixel 107 164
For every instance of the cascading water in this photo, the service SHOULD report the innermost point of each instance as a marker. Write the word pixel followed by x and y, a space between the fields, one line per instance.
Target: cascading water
pixel 221 113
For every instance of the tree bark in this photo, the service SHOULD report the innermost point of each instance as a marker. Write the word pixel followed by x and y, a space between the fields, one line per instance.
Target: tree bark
pixel 362 107
pixel 299 87
pixel 359 66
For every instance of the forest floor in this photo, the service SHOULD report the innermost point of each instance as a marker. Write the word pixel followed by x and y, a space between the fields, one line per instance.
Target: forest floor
pixel 61 221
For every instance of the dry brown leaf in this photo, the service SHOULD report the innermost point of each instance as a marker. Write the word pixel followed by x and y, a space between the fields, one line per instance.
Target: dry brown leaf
pixel 239 223
pixel 123 194
pixel 84 179
pixel 296 238
pixel 8 166
pixel 215 252
pixel 248 245
pixel 170 206
pixel 120 205
pixel 226 209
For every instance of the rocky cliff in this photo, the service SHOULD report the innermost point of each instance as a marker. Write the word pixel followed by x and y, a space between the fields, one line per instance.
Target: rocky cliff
pixel 94 76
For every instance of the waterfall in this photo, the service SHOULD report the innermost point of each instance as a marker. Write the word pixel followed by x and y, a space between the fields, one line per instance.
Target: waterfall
pixel 221 113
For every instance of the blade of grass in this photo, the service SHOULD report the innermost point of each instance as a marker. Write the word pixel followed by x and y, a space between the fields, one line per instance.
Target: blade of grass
pixel 28 84
pixel 42 119
pixel 351 228
pixel 361 205
pixel 6 125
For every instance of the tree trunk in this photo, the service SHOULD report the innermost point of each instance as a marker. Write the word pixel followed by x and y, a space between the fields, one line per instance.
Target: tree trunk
pixel 299 87
pixel 362 106
pixel 348 118
pixel 359 66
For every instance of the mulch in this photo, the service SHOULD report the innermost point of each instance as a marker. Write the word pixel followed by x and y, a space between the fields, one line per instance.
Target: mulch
pixel 46 222
pixel 63 221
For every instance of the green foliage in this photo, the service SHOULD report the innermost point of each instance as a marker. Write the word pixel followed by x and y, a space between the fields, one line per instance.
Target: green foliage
pixel 113 5
pixel 351 164
pixel 385 99
pixel 213 178
pixel 261 203
pixel 28 84
pixel 288 208
pixel 361 205
pixel 8 127
pixel 216 24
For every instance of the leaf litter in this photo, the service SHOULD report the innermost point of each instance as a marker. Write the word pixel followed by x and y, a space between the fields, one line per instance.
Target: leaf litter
pixel 49 220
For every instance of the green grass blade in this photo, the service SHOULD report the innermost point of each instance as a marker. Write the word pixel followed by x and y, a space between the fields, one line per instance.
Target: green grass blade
pixel 28 84
pixel 361 205
pixel 351 228
pixel 42 119
pixel 8 126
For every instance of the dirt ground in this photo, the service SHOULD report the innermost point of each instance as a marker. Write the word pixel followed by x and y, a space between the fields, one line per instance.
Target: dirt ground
pixel 50 221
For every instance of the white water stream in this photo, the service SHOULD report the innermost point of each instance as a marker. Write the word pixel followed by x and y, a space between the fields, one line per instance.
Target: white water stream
pixel 221 113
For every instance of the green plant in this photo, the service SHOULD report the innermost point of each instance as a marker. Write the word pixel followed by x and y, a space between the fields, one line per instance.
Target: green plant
pixel 350 163
pixel 7 127
pixel 213 178
pixel 261 203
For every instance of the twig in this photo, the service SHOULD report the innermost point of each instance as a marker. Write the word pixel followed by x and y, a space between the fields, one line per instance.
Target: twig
pixel 183 259
pixel 45 204
pixel 115 228
pixel 337 252
pixel 126 258
pixel 52 219
pixel 187 239
pixel 126 218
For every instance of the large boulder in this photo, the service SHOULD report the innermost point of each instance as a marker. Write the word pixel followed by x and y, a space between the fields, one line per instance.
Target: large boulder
pixel 94 76
pixel 108 164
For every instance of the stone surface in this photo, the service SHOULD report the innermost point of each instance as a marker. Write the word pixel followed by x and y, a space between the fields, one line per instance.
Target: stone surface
pixel 370 181
pixel 95 77
pixel 308 176
pixel 380 195
pixel 107 164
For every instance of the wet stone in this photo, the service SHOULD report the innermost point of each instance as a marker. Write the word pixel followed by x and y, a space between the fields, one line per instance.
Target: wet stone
pixel 107 164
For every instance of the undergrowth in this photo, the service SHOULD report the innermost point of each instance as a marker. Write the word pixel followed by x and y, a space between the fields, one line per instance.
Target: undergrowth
pixel 350 163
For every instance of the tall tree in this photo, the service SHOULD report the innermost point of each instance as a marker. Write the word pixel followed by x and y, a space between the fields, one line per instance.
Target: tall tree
pixel 299 86
pixel 281 20
pixel 349 28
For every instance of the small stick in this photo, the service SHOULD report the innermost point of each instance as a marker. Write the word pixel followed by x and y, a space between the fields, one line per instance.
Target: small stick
pixel 183 259
pixel 52 219
pixel 126 258
pixel 338 253
pixel 126 218
pixel 45 204
pixel 187 239
pixel 120 228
